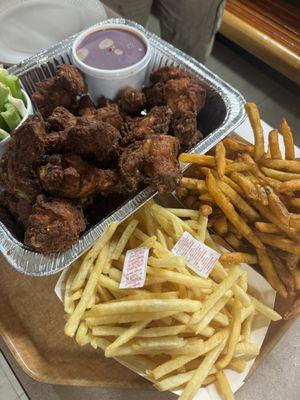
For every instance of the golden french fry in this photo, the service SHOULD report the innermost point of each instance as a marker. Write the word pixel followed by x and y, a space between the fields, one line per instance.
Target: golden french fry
pixel 239 202
pixel 234 145
pixel 220 157
pixel 73 322
pixel 285 165
pixel 280 242
pixel 191 183
pixel 283 273
pixel 177 277
pixel 184 213
pixel 279 175
pixel 291 260
pixel 237 258
pixel 288 140
pixel 289 186
pixel 124 238
pixel 296 275
pixel 220 225
pixel 238 166
pixel 274 145
pixel 224 386
pixel 205 210
pixel 91 256
pixel 201 373
pixel 237 364
pixel 233 335
pixel 253 114
pixel 82 337
pixel 246 350
pixel 200 159
pixel 270 272
pixel 265 310
pixel 247 186
pixel 126 318
pixel 230 212
pixel 158 343
pixel 267 227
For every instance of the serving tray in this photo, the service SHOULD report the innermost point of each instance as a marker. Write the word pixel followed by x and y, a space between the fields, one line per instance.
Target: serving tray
pixel 223 111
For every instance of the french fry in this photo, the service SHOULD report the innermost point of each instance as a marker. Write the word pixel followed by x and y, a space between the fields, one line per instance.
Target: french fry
pixel 230 212
pixel 279 175
pixel 289 186
pixel 296 275
pixel 270 272
pixel 274 145
pixel 265 310
pixel 220 157
pixel 199 159
pixel 238 166
pixel 184 213
pixel 246 350
pixel 247 186
pixel 201 373
pixel 158 343
pixel 91 255
pixel 176 277
pixel 279 209
pixel 238 258
pixel 126 318
pixel 233 336
pixel 124 238
pixel 237 364
pixel 232 144
pixel 288 140
pixel 291 261
pixel 239 202
pixel 224 386
pixel 280 242
pixel 267 227
pixel 253 114
pixel 221 226
pixel 191 183
pixel 283 273
pixel 285 165
pixel 74 320
pixel 82 337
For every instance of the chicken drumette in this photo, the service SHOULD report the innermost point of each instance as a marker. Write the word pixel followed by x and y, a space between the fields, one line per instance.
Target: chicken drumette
pixel 61 90
pixel 54 225
pixel 131 101
pixel 71 177
pixel 152 161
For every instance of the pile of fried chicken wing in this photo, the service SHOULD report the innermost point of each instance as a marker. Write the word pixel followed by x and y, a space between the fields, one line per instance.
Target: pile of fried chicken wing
pixel 72 151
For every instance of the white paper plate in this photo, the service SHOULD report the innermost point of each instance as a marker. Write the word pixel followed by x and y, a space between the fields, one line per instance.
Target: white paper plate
pixel 28 26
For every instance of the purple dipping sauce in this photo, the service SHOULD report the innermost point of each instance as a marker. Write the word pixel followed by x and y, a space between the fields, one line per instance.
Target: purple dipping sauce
pixel 111 49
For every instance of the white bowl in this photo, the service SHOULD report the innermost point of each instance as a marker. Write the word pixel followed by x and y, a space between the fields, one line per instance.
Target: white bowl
pixel 104 82
pixel 4 143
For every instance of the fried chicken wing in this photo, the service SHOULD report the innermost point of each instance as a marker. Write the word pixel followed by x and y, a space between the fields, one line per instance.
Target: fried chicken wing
pixel 54 225
pixel 71 177
pixel 60 119
pixel 152 161
pixel 184 127
pixel 164 74
pixel 156 122
pixel 97 139
pixel 131 101
pixel 155 94
pixel 18 168
pixel 61 90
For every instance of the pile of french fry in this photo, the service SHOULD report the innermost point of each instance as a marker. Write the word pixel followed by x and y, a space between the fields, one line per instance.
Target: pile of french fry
pixel 255 195
pixel 180 329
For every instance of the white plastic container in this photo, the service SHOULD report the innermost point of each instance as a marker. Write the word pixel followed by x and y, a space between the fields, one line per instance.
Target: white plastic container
pixel 105 82
pixel 4 143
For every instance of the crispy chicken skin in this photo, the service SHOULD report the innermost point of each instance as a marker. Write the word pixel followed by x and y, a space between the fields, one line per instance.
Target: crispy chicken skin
pixel 164 74
pixel 71 177
pixel 109 112
pixel 156 122
pixel 131 101
pixel 61 90
pixel 184 127
pixel 90 138
pixel 152 161
pixel 60 119
pixel 18 168
pixel 54 225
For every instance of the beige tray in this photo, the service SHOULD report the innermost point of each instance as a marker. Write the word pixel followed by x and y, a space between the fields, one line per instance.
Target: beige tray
pixel 31 324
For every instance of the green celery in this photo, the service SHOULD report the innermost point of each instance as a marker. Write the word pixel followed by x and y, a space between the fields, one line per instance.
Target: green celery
pixel 11 116
pixel 4 92
pixel 3 134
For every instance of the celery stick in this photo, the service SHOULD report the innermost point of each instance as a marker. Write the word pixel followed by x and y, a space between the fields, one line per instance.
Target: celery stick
pixel 12 82
pixel 3 134
pixel 19 104
pixel 4 92
pixel 11 116
pixel 3 124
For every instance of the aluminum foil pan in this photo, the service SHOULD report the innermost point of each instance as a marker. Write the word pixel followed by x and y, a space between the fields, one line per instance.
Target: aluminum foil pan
pixel 222 113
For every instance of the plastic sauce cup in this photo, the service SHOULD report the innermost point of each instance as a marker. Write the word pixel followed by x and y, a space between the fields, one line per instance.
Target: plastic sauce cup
pixel 108 82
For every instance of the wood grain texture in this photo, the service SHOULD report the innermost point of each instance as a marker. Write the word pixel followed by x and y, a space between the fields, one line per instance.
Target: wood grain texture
pixel 268 29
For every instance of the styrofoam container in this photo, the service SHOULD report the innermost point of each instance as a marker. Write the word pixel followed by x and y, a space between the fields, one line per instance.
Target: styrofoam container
pixel 4 143
pixel 105 82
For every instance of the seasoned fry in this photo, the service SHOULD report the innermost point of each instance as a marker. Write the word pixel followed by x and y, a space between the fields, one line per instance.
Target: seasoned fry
pixel 196 184
pixel 284 274
pixel 274 145
pixel 288 140
pixel 270 273
pixel 285 165
pixel 230 212
pixel 220 157
pixel 238 201
pixel 224 386
pixel 279 175
pixel 253 114
pixel 232 144
pixel 238 257
pixel 267 227
pixel 247 186
pixel 280 242
pixel 289 186
pixel 220 225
